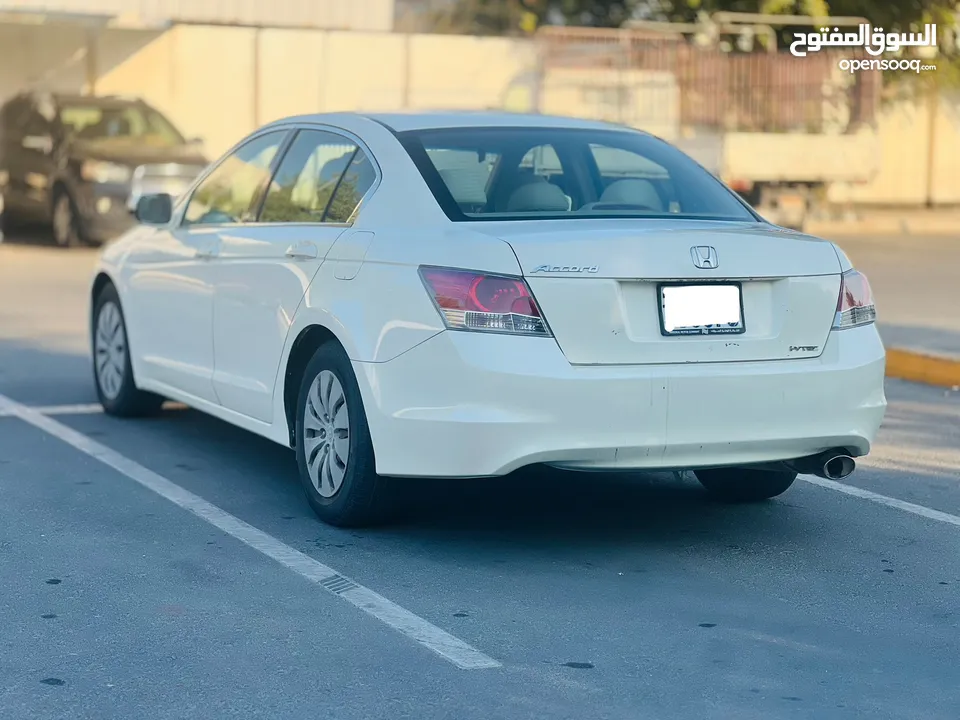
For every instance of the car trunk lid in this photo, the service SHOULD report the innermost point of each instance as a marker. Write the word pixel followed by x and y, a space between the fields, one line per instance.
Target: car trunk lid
pixel 605 288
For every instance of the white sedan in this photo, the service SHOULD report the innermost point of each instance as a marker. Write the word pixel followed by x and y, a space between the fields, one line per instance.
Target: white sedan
pixel 462 295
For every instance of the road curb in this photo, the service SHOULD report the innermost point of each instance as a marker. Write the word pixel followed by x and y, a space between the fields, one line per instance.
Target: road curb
pixel 937 370
pixel 943 225
pixel 856 227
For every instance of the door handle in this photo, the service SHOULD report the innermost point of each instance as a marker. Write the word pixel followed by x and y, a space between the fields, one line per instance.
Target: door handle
pixel 302 251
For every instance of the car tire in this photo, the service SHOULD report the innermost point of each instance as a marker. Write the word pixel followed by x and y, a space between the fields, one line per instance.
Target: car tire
pixel 112 369
pixel 66 223
pixel 745 485
pixel 333 445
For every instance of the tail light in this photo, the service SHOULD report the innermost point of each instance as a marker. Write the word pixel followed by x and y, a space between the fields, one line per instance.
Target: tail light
pixel 485 303
pixel 855 305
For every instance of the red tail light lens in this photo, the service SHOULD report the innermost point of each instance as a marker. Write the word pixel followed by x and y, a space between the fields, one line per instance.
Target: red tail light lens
pixel 484 303
pixel 855 305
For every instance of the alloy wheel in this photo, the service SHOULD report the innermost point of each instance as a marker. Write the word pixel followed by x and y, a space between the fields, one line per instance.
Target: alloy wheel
pixel 326 430
pixel 110 350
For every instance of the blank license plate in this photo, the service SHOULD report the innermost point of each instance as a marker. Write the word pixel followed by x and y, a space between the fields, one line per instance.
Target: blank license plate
pixel 715 309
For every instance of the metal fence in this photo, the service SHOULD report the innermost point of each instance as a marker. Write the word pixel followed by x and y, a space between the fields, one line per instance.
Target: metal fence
pixel 640 78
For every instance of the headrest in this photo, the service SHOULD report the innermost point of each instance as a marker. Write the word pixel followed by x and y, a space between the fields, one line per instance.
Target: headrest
pixel 538 197
pixel 632 192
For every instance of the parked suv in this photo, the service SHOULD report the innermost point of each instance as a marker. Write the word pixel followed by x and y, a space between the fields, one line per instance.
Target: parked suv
pixel 80 163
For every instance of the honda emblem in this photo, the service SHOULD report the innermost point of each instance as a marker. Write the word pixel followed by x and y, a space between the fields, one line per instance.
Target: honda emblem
pixel 704 257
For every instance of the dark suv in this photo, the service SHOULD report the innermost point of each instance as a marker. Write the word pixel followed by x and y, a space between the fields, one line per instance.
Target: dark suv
pixel 80 163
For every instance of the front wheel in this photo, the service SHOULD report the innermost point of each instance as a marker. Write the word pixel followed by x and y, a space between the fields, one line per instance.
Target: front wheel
pixel 112 369
pixel 333 444
pixel 67 224
pixel 743 485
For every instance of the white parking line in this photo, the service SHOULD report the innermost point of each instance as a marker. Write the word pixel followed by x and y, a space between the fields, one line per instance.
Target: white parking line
pixel 83 409
pixel 909 507
pixel 430 636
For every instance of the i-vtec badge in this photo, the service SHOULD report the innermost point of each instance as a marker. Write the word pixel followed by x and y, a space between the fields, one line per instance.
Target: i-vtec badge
pixel 565 269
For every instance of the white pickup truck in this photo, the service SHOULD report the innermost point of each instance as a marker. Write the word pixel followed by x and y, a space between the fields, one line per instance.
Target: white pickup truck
pixel 786 177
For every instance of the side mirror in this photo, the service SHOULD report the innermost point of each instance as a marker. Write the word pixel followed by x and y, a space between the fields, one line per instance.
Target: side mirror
pixel 43 143
pixel 154 209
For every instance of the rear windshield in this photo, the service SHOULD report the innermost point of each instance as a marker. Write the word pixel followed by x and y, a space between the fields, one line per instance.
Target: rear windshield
pixel 483 173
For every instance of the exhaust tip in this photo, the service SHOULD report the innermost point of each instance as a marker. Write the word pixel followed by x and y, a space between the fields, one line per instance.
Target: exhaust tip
pixel 838 467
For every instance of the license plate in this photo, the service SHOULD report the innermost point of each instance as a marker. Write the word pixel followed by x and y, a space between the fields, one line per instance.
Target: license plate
pixel 714 309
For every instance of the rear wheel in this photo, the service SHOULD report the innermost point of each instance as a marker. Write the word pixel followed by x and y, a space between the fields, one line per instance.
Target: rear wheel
pixel 334 448
pixel 112 370
pixel 743 485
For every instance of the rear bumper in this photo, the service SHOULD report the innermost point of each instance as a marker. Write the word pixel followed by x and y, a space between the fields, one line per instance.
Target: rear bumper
pixel 469 404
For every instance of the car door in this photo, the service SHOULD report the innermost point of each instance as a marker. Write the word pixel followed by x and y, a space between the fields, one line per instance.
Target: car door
pixel 264 268
pixel 170 272
pixel 29 160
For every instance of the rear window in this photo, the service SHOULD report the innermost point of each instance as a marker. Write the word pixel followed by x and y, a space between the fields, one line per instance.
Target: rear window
pixel 483 173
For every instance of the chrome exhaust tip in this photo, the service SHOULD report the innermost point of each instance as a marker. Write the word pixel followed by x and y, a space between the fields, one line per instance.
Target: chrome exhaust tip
pixel 838 467
pixel 831 464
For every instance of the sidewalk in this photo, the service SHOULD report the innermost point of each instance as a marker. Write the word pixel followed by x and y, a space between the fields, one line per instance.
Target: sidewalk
pixel 916 283
pixel 883 221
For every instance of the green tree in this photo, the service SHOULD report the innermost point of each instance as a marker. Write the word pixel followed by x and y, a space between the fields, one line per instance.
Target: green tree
pixel 505 16
pixel 509 17
pixel 517 17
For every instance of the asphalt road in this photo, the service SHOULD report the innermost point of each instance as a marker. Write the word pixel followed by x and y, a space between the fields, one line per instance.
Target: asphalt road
pixel 600 596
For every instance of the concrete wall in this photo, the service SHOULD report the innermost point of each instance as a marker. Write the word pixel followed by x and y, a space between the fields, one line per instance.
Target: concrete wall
pixel 905 136
pixel 328 14
pixel 220 83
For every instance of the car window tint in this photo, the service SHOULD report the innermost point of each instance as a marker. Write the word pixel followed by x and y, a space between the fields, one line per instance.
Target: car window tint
pixel 226 195
pixel 305 182
pixel 354 184
pixel 561 173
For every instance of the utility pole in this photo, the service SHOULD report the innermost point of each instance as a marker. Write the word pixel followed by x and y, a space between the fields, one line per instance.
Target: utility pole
pixel 933 108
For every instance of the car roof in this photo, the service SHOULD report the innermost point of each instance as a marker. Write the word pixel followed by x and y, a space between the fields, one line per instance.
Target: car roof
pixel 69 97
pixel 438 119
pixel 402 121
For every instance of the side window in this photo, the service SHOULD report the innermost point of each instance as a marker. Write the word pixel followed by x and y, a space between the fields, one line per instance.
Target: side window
pixel 33 123
pixel 354 184
pixel 11 112
pixel 311 172
pixel 227 193
pixel 9 132
pixel 632 180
